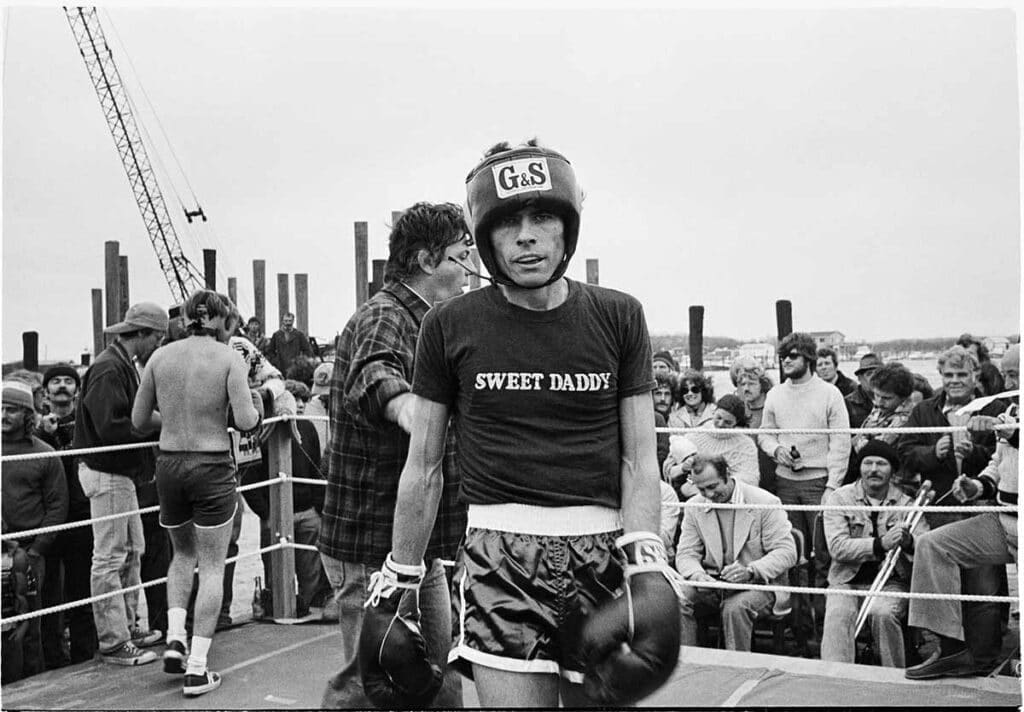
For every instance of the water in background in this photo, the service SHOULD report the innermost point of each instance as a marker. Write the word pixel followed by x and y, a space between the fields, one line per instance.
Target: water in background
pixel 926 367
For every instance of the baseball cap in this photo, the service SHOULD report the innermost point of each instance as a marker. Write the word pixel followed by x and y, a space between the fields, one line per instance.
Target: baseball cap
pixel 322 378
pixel 144 315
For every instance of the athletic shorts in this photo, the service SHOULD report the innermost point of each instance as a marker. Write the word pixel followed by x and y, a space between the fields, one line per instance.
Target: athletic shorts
pixel 197 487
pixel 526 580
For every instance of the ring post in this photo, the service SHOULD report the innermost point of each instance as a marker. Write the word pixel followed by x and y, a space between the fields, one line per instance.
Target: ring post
pixel 282 523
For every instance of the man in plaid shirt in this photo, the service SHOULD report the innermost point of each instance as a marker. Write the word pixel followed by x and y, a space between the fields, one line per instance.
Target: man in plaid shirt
pixel 371 404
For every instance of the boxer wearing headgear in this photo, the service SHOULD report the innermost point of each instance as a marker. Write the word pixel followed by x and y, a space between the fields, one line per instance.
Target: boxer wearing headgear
pixel 562 582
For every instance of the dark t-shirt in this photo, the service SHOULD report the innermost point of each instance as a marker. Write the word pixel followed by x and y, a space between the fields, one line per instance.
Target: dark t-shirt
pixel 536 394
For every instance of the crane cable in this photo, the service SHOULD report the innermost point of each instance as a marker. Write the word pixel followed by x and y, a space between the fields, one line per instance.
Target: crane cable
pixel 217 243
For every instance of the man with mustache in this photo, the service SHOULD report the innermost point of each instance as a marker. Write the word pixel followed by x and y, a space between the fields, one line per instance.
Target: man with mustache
pixel 72 549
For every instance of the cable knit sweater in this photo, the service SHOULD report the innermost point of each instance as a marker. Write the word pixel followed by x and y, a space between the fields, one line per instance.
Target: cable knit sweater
pixel 814 404
pixel 738 449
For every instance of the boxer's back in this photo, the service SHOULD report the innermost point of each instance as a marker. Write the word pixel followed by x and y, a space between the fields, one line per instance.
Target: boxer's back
pixel 193 379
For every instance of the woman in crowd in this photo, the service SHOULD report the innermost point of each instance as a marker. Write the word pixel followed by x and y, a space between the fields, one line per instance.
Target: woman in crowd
pixel 717 438
pixel 695 398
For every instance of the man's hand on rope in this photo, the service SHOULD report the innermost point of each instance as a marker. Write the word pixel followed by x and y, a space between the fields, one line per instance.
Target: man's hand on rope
pixel 943 446
pixel 891 539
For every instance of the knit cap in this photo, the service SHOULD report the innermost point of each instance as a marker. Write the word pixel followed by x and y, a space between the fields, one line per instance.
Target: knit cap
pixel 879 448
pixel 18 394
pixel 62 369
pixel 666 358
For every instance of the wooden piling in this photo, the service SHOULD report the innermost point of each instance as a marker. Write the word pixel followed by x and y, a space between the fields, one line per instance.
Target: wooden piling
pixel 122 273
pixel 697 337
pixel 97 321
pixel 210 269
pixel 784 325
pixel 593 275
pixel 233 290
pixel 30 350
pixel 362 261
pixel 259 286
pixel 112 280
pixel 283 302
pixel 302 303
pixel 378 276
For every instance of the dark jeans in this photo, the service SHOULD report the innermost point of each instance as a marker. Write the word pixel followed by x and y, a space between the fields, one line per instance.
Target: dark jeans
pixel 68 575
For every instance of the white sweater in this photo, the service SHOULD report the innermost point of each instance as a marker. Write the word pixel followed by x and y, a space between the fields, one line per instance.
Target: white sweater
pixel 814 404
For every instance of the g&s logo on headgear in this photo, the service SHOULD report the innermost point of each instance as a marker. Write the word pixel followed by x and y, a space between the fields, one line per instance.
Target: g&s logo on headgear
pixel 522 176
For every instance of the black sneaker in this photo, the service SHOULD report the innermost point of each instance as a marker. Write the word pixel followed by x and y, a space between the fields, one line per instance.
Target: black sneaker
pixel 128 654
pixel 196 685
pixel 175 657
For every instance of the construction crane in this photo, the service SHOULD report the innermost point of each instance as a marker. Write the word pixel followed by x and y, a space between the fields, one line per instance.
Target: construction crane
pixel 181 274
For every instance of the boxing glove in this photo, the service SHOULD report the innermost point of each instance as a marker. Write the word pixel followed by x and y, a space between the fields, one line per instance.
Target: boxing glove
pixel 392 654
pixel 631 643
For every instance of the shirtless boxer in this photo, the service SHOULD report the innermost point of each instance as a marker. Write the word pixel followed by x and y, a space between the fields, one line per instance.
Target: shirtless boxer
pixel 194 472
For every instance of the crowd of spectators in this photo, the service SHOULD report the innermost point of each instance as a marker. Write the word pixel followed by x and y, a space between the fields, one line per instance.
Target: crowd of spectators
pixel 709 463
pixel 67 407
pixel 844 550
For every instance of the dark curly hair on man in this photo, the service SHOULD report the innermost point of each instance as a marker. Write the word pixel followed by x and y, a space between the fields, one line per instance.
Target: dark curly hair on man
pixel 893 378
pixel 424 226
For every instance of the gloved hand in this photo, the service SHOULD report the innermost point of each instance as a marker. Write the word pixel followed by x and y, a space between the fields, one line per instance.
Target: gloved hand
pixel 906 541
pixel 631 643
pixel 393 662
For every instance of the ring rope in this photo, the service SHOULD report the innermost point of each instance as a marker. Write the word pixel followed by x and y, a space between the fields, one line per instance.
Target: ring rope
pixel 1003 508
pixel 120 592
pixel 850 592
pixel 739 431
pixel 109 517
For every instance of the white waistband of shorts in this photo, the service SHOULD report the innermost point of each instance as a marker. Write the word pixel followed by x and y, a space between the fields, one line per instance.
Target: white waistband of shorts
pixel 544 521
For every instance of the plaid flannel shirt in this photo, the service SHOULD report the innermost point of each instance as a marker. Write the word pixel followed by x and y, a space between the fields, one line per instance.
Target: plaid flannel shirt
pixel 374 363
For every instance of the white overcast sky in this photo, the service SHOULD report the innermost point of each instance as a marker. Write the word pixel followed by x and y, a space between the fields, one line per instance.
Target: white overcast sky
pixel 862 163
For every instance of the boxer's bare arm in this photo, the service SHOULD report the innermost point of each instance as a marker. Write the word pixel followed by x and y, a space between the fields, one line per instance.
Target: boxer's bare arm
pixel 641 497
pixel 419 489
pixel 246 415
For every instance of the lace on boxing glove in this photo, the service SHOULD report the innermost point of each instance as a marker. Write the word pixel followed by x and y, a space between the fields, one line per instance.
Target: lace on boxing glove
pixel 393 662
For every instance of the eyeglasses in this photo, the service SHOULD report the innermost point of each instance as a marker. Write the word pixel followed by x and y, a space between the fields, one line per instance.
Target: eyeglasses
pixel 693 389
pixel 792 356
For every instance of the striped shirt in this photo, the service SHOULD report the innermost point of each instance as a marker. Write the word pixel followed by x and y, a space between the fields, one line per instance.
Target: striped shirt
pixel 374 363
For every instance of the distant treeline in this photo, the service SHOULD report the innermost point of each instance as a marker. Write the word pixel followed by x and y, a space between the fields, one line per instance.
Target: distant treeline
pixel 666 342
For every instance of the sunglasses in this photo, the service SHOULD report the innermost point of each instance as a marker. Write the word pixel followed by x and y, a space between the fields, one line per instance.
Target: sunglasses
pixel 792 356
pixel 692 389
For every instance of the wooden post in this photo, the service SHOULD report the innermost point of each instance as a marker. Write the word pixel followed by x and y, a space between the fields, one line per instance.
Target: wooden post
pixel 362 260
pixel 30 350
pixel 282 522
pixel 302 303
pixel 282 298
pixel 784 325
pixel 86 359
pixel 122 273
pixel 259 286
pixel 233 290
pixel 592 272
pixel 210 269
pixel 112 280
pixel 378 276
pixel 474 258
pixel 97 321
pixel 697 337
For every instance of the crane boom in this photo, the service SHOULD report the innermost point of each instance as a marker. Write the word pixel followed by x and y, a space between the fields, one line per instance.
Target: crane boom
pixel 181 274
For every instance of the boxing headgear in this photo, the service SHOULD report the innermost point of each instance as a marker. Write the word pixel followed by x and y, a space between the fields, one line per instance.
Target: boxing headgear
pixel 508 181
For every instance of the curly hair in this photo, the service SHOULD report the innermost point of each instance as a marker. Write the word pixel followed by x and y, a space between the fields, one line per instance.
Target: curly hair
pixel 958 357
pixel 803 344
pixel 893 378
pixel 692 375
pixel 424 226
